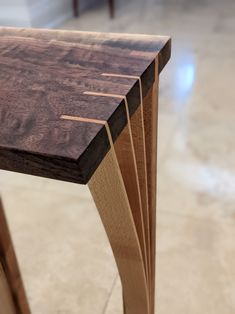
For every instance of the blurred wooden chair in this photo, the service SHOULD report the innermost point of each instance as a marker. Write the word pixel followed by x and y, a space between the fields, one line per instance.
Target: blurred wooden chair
pixel 76 8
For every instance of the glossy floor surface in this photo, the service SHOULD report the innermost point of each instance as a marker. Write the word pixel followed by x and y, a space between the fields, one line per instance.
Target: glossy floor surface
pixel 64 253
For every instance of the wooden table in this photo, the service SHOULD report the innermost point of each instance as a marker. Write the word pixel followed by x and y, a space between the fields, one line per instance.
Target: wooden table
pixel 82 107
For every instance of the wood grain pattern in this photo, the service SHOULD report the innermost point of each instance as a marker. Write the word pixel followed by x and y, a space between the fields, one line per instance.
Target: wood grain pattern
pixel 126 157
pixel 151 122
pixel 108 191
pixel 6 301
pixel 10 269
pixel 44 75
pixel 127 162
pixel 138 133
pixel 72 109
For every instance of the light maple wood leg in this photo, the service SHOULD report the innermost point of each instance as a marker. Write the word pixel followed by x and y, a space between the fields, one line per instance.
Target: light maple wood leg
pixel 150 122
pixel 109 193
pixel 125 152
pixel 138 132
pixel 124 190
pixel 12 294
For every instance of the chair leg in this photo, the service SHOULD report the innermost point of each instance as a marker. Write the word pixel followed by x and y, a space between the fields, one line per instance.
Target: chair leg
pixel 76 8
pixel 111 8
pixel 12 294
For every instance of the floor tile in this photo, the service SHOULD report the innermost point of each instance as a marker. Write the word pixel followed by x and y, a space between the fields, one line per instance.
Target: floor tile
pixel 195 272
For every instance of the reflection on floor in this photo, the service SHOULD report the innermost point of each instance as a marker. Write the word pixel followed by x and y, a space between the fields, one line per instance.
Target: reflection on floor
pixel 64 254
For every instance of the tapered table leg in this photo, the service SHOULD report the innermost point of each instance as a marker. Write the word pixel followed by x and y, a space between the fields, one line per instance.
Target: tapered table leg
pixel 126 156
pixel 128 212
pixel 138 133
pixel 109 193
pixel 12 293
pixel 150 122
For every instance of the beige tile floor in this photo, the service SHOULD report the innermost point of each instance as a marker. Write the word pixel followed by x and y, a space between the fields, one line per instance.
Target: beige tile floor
pixel 63 251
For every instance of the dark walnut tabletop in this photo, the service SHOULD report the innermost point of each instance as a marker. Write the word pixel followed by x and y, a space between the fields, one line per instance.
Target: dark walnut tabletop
pixel 47 74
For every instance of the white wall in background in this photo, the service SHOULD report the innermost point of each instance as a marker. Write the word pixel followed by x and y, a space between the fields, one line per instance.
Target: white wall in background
pixel 49 13
pixel 38 13
pixel 14 13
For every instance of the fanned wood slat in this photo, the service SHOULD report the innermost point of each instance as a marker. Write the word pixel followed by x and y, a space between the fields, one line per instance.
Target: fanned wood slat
pixel 151 123
pixel 108 190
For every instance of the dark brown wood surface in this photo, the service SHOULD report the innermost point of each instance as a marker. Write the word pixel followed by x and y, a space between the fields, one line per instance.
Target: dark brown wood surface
pixel 44 75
